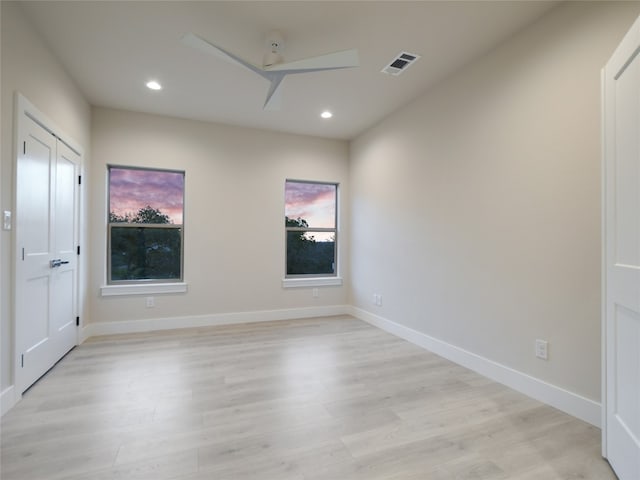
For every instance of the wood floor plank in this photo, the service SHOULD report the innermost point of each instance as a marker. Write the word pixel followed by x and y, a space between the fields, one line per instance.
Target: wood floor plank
pixel 314 399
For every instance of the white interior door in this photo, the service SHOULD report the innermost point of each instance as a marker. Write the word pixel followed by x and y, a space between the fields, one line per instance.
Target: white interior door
pixel 46 242
pixel 64 286
pixel 621 433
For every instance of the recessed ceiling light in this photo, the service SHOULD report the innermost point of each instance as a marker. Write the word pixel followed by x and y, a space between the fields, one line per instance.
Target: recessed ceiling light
pixel 153 85
pixel 326 114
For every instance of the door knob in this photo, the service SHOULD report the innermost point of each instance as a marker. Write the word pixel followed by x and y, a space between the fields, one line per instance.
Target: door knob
pixel 57 262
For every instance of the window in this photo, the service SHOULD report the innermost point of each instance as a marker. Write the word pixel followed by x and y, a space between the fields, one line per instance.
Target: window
pixel 310 224
pixel 145 225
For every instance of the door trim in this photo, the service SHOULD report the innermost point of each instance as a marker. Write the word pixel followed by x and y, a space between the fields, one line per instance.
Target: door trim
pixel 603 264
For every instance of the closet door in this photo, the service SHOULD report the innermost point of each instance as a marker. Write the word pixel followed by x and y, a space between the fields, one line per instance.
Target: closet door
pixel 46 263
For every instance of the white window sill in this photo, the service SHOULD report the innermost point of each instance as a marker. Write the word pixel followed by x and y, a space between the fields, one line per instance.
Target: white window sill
pixel 143 289
pixel 311 282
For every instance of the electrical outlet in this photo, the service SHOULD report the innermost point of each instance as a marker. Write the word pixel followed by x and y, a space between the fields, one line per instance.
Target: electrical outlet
pixel 151 302
pixel 379 300
pixel 315 293
pixel 542 351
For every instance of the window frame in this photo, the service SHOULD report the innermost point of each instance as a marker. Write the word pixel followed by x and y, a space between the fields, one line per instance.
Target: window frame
pixel 308 278
pixel 110 283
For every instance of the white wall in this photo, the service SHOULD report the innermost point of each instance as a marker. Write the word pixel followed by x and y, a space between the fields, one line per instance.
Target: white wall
pixel 28 66
pixel 476 209
pixel 234 212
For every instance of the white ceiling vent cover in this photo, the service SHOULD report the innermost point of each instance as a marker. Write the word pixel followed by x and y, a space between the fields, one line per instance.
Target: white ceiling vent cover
pixel 399 64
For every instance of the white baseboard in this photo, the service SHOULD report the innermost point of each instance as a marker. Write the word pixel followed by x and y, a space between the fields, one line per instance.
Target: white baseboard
pixel 569 402
pixel 7 400
pixel 148 325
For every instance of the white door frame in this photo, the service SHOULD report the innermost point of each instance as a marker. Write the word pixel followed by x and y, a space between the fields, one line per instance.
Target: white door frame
pixel 24 109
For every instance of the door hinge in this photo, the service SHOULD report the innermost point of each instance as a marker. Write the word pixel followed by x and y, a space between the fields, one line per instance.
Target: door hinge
pixel 78 249
pixel 79 179
pixel 24 147
pixel 23 254
pixel 77 321
pixel 22 361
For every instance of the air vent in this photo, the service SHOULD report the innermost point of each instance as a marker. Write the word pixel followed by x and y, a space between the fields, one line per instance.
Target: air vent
pixel 399 64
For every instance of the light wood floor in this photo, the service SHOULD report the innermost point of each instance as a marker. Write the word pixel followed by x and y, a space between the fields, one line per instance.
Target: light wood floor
pixel 320 399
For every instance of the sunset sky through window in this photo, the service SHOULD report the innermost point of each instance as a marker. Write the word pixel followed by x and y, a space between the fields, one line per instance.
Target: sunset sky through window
pixel 313 202
pixel 132 189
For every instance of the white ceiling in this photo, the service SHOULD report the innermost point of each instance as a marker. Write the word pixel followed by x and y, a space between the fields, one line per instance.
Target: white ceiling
pixel 112 48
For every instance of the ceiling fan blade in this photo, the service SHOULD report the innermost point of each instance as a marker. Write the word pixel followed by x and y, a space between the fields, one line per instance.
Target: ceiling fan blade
pixel 274 96
pixel 199 43
pixel 330 61
pixel 276 73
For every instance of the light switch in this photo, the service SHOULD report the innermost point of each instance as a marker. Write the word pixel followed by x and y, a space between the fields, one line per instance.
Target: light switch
pixel 6 220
